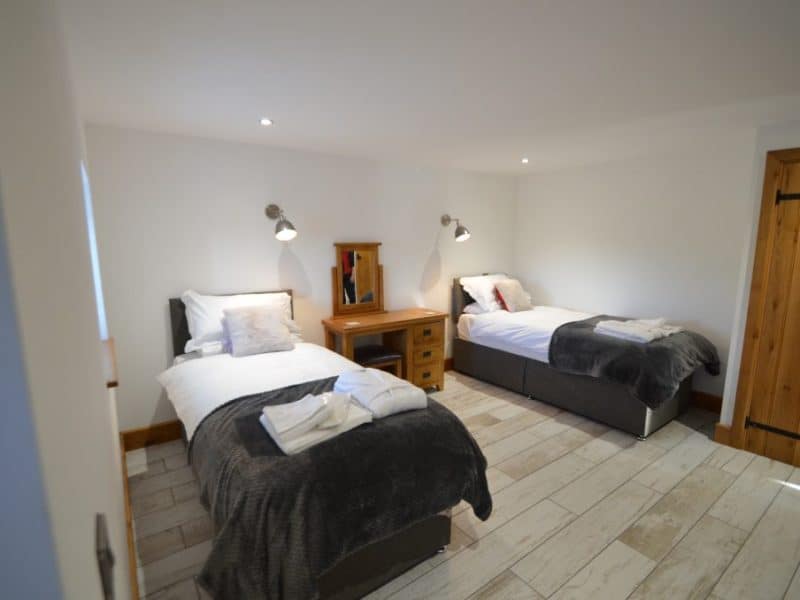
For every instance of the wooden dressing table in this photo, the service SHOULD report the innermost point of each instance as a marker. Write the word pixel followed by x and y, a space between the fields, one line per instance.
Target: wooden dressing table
pixel 416 333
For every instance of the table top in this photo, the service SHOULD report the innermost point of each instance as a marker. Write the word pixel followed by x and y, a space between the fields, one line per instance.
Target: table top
pixel 382 320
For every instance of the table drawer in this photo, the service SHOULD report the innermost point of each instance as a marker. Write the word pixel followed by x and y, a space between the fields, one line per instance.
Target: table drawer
pixel 429 333
pixel 429 375
pixel 428 355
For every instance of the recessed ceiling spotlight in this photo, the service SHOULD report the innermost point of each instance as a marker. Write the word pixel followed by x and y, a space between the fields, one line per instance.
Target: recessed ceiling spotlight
pixel 525 161
pixel 266 122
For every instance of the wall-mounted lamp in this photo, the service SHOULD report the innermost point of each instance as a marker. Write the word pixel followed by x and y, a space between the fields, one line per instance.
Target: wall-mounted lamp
pixel 284 230
pixel 462 233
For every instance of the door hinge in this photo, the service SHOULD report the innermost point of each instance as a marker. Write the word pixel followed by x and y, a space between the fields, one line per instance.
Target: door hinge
pixel 781 197
pixel 748 422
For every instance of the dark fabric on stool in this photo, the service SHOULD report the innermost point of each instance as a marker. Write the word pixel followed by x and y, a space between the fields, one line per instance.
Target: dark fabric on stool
pixel 375 354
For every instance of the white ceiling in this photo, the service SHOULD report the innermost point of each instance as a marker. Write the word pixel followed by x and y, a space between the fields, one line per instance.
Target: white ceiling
pixel 473 84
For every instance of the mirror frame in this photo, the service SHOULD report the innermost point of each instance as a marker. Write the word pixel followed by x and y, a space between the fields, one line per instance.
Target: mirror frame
pixel 341 309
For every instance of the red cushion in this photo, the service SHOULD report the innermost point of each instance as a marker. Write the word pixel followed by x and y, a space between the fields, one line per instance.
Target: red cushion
pixel 499 297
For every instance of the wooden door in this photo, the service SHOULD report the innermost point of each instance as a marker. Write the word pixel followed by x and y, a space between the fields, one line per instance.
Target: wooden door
pixel 767 414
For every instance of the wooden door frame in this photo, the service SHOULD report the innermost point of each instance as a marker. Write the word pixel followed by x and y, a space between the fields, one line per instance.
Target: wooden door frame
pixel 758 289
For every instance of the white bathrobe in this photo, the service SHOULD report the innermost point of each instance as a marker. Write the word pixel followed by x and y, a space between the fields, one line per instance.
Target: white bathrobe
pixel 380 392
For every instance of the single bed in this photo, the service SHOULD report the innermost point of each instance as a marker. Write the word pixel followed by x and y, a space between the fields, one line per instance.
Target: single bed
pixel 512 350
pixel 526 333
pixel 335 521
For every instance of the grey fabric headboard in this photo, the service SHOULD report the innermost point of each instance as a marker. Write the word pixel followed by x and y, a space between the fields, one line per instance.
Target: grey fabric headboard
pixel 460 299
pixel 180 326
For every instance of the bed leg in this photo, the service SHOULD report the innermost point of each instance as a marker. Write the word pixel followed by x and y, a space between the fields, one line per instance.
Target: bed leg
pixel 641 438
pixel 442 550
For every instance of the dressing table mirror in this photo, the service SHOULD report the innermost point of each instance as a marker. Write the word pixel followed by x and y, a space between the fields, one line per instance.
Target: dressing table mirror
pixel 411 339
pixel 357 279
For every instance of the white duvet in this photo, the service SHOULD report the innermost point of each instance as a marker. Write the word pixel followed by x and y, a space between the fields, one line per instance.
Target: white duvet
pixel 196 387
pixel 526 333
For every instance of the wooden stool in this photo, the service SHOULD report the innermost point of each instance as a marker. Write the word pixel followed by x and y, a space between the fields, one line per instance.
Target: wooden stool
pixel 379 357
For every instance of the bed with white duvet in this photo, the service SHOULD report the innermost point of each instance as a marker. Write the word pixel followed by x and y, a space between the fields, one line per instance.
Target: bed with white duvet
pixel 560 356
pixel 335 520
pixel 198 386
pixel 525 333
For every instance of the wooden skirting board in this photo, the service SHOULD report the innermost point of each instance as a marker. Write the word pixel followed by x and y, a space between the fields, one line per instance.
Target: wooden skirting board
pixel 722 434
pixel 706 401
pixel 158 433
pixel 448 364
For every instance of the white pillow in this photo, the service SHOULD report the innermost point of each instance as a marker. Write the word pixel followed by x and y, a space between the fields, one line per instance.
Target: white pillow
pixel 204 313
pixel 481 288
pixel 295 330
pixel 473 308
pixel 513 296
pixel 212 348
pixel 257 329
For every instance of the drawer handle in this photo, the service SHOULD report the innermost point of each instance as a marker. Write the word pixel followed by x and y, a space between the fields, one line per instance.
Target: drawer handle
pixel 427 354
pixel 426 374
pixel 426 332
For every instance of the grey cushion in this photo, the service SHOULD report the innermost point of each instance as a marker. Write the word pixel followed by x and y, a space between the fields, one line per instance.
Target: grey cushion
pixel 257 329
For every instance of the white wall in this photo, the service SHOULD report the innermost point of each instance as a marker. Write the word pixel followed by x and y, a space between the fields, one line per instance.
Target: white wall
pixel 654 235
pixel 178 212
pixel 46 236
pixel 773 137
pixel 661 233
pixel 28 566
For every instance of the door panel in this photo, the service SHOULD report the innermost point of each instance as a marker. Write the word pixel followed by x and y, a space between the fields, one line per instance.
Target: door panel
pixel 769 391
pixel 773 320
pixel 785 409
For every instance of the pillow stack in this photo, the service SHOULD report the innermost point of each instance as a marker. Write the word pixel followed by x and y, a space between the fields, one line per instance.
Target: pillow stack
pixel 242 324
pixel 511 295
pixel 495 292
pixel 481 288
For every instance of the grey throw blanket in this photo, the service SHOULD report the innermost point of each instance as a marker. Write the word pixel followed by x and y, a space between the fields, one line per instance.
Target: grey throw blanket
pixel 281 521
pixel 652 372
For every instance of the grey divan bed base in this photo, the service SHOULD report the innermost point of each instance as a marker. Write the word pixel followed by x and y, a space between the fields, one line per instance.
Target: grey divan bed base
pixel 375 564
pixel 597 399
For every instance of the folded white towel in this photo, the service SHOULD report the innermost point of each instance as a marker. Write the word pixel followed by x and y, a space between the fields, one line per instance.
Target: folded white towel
pixel 353 416
pixel 291 420
pixel 640 330
pixel 338 406
pixel 380 392
pixel 295 418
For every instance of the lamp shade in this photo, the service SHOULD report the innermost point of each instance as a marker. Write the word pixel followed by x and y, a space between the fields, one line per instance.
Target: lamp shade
pixel 284 230
pixel 462 233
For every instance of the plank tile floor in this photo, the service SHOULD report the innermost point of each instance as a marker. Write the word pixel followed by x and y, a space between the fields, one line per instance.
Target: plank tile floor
pixel 580 511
